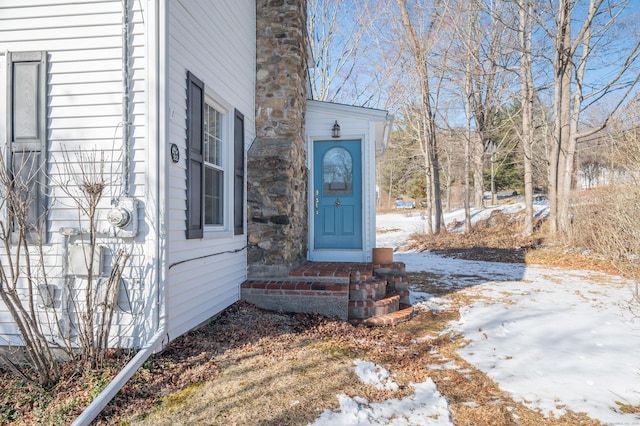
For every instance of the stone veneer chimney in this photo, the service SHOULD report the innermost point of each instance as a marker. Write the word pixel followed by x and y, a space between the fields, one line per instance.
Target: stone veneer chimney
pixel 276 163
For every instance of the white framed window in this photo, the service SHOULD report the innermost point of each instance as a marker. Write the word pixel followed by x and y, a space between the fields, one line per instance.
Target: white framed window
pixel 215 164
pixel 215 151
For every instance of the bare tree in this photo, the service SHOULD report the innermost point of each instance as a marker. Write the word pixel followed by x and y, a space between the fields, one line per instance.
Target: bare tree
pixel 21 277
pixel 344 69
pixel 527 87
pixel 96 303
pixel 418 48
pixel 573 52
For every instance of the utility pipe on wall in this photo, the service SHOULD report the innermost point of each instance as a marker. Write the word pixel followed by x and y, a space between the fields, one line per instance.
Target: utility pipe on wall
pixel 125 99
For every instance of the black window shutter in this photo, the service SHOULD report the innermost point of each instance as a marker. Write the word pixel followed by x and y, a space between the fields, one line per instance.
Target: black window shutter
pixel 195 164
pixel 238 159
pixel 27 129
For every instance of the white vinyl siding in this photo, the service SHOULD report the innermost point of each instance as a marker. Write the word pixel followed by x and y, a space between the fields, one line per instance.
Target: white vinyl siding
pixel 216 42
pixel 83 41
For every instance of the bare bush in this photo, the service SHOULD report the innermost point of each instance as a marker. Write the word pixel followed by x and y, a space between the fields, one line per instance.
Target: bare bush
pixel 20 279
pixel 57 317
pixel 605 221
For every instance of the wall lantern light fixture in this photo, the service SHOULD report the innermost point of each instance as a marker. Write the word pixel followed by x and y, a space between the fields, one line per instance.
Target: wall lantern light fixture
pixel 335 130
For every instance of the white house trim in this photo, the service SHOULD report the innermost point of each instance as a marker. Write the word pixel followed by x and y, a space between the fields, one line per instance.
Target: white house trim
pixel 370 126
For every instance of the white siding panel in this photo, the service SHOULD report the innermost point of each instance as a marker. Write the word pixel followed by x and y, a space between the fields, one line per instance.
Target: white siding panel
pixel 55 23
pixel 216 295
pixel 113 64
pixel 83 40
pixel 114 88
pixel 105 110
pixel 85 77
pixel 108 124
pixel 63 35
pixel 14 9
pixel 216 42
pixel 64 56
pixel 78 44
pixel 88 99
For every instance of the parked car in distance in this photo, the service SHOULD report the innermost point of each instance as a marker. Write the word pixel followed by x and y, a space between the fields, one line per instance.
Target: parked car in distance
pixel 405 204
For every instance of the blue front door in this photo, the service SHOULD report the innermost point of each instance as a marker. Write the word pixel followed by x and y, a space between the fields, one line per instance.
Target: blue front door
pixel 337 194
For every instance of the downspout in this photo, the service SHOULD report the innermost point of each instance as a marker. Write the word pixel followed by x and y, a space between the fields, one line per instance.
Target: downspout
pixel 161 319
pixel 386 133
pixel 101 401
pixel 125 98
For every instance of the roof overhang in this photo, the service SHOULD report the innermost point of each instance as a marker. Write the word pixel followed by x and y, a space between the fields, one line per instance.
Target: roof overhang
pixel 381 119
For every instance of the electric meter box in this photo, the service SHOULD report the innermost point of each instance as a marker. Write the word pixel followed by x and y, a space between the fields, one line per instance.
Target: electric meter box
pixel 123 218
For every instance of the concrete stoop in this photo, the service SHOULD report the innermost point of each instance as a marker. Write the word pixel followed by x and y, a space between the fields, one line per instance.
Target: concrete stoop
pixel 361 293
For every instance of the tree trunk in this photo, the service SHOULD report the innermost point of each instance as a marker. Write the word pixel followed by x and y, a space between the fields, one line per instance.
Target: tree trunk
pixel 526 99
pixel 467 154
pixel 428 119
pixel 562 113
pixel 478 172
pixel 564 211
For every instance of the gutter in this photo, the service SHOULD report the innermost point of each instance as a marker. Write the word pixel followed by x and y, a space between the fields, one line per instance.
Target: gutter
pixel 160 320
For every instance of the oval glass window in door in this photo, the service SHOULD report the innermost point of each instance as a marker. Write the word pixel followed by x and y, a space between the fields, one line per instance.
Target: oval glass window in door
pixel 337 172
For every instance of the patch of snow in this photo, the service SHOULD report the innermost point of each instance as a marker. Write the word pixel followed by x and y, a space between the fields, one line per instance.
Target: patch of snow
pixel 416 297
pixel 449 365
pixel 557 340
pixel 425 407
pixel 373 374
pixel 424 339
pixel 433 304
pixel 393 229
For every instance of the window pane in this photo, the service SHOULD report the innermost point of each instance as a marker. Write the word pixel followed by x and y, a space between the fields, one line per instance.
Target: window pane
pixel 213 196
pixel 214 170
pixel 212 136
pixel 337 172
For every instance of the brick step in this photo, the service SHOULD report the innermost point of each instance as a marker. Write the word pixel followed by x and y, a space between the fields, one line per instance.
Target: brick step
pixel 332 271
pixel 393 269
pixel 405 296
pixel 401 315
pixel 328 298
pixel 395 282
pixel 362 309
pixel 293 287
pixel 372 290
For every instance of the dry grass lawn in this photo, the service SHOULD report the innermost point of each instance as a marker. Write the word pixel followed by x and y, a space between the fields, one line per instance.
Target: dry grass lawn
pixel 295 366
pixel 250 367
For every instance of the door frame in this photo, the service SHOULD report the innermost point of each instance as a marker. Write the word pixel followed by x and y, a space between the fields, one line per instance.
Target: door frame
pixel 371 127
pixel 352 201
pixel 339 255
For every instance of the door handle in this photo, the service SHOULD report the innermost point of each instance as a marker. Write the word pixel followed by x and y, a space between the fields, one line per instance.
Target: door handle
pixel 316 201
pixel 338 202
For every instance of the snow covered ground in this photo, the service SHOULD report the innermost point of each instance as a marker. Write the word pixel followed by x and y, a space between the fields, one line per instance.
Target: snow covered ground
pixel 555 339
pixel 425 407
